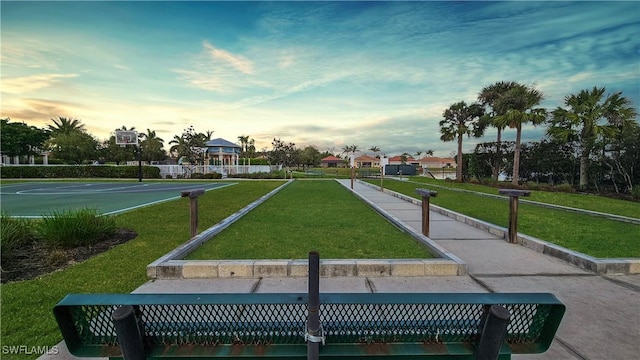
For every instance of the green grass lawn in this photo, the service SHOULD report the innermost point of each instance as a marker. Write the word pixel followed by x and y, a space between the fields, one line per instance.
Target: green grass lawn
pixel 595 236
pixel 311 215
pixel 27 306
pixel 580 201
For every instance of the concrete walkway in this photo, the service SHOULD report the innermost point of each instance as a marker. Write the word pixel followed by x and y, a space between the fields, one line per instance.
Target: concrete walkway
pixel 603 312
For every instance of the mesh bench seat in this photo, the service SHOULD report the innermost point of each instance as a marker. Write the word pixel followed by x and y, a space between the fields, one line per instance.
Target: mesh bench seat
pixel 231 326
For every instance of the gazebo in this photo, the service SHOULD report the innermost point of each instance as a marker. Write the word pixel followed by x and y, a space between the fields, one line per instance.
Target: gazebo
pixel 222 152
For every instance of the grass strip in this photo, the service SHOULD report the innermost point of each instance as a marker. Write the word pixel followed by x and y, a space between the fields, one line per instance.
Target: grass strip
pixel 312 215
pixel 595 236
pixel 580 201
pixel 26 306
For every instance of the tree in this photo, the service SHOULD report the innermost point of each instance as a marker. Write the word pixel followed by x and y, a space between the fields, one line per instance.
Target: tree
pixel 461 119
pixel 65 125
pixel 190 145
pixel 20 139
pixel 589 117
pixel 244 140
pixel 375 150
pixel 518 106
pixel 489 97
pixel 282 153
pixel 350 149
pixel 310 156
pixel 74 147
pixel 114 152
pixel 152 146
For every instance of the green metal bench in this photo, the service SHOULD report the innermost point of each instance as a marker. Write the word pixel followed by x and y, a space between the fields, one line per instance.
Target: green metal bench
pixel 230 326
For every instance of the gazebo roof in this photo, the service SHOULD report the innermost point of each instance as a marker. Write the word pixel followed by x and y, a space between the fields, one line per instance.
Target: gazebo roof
pixel 222 143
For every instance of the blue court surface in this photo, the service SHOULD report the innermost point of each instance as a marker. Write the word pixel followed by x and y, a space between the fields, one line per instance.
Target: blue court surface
pixel 35 199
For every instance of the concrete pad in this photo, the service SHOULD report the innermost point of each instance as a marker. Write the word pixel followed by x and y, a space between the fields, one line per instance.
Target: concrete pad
pixel 454 230
pixel 284 285
pixel 188 286
pixel 631 279
pixel 602 317
pixel 344 285
pixel 556 351
pixel 427 284
pixel 500 257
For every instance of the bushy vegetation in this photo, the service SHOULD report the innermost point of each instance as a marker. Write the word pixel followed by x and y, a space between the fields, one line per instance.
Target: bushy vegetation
pixel 68 229
pixel 80 171
pixel 14 233
pixel 212 175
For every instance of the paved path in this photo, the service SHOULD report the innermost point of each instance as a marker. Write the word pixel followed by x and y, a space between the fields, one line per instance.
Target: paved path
pixel 603 312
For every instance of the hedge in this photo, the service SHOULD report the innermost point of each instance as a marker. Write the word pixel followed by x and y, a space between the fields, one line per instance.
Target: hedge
pixel 78 171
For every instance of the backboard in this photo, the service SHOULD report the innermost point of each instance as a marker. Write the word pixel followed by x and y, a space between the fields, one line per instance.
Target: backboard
pixel 126 137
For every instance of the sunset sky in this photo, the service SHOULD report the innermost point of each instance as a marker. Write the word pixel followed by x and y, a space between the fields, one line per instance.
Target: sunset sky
pixel 328 74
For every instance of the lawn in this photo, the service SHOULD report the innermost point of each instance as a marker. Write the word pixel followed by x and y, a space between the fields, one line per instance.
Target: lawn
pixel 579 201
pixel 595 236
pixel 26 306
pixel 312 215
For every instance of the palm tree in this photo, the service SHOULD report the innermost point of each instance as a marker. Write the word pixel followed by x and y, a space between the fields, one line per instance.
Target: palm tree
pixel 375 150
pixel 180 146
pixel 461 119
pixel 152 146
pixel 62 125
pixel 244 141
pixel 517 106
pixel 590 116
pixel 418 153
pixel 489 97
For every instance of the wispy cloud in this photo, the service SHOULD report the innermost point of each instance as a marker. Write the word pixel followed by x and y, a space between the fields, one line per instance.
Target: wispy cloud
pixel 31 83
pixel 238 62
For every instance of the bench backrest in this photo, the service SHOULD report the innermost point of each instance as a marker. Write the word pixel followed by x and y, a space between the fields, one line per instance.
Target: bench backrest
pixel 274 325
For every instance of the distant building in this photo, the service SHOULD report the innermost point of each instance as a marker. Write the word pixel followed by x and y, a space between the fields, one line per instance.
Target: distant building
pixel 222 152
pixel 437 162
pixel 397 160
pixel 332 162
pixel 366 161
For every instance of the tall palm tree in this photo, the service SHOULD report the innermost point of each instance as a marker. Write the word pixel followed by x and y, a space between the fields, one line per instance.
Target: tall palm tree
pixel 519 106
pixel 180 146
pixel 152 146
pixel 244 141
pixel 590 116
pixel 461 119
pixel 375 150
pixel 63 125
pixel 489 96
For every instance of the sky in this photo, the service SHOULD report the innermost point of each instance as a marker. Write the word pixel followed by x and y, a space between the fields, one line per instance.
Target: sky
pixel 327 74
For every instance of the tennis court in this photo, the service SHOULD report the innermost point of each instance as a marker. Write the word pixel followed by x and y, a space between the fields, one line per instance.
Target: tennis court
pixel 35 199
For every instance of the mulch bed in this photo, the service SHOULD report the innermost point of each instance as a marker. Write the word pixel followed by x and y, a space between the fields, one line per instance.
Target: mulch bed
pixel 38 259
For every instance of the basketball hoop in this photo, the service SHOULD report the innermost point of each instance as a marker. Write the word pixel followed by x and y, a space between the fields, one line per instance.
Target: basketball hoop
pixel 126 137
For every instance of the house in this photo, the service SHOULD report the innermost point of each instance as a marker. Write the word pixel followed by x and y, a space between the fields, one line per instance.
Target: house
pixel 366 161
pixel 332 162
pixel 222 152
pixel 437 162
pixel 397 160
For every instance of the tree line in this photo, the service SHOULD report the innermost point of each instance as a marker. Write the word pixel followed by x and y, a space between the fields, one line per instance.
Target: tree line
pixel 591 138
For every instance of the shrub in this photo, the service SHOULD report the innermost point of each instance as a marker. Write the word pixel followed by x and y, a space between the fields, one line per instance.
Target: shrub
pixel 14 233
pixel 197 176
pixel 168 176
pixel 212 175
pixel 79 171
pixel 71 228
pixel 564 188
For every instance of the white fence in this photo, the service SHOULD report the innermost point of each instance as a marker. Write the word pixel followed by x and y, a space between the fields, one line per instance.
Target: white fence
pixel 185 171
